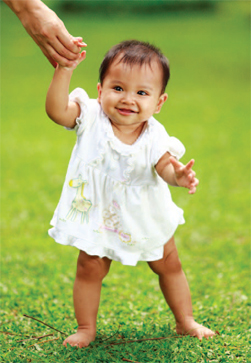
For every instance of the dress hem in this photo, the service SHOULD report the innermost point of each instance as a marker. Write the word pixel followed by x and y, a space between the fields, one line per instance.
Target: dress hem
pixel 129 258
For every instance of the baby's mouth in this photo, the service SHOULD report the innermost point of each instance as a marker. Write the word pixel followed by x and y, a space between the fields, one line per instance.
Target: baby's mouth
pixel 125 111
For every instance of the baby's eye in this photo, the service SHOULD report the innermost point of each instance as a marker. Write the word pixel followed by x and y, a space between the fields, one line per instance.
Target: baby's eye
pixel 118 88
pixel 142 93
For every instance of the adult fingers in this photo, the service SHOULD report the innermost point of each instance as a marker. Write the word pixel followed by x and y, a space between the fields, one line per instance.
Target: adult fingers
pixel 58 32
pixel 59 48
pixel 67 40
pixel 55 58
pixel 69 43
pixel 50 59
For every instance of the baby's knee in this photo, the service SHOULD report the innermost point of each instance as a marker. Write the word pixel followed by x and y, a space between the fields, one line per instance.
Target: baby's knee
pixel 92 267
pixel 168 265
pixel 173 264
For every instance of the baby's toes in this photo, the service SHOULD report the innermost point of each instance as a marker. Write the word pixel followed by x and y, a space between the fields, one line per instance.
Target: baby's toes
pixel 204 332
pixel 209 333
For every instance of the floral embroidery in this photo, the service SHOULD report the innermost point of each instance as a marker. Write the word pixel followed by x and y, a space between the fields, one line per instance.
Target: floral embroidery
pixel 79 204
pixel 111 218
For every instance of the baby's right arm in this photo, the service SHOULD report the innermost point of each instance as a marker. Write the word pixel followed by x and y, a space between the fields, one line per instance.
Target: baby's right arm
pixel 58 107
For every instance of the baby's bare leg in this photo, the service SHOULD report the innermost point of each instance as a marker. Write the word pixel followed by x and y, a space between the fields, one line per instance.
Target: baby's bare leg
pixel 176 291
pixel 86 296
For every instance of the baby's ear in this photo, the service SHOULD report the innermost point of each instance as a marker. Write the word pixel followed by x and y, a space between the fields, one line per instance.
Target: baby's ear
pixel 162 100
pixel 99 88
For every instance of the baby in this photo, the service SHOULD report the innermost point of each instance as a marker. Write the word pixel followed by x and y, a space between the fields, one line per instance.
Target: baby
pixel 115 203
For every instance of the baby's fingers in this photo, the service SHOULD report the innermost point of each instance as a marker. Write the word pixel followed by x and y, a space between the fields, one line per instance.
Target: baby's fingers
pixel 190 175
pixel 193 186
pixel 189 165
pixel 192 190
pixel 175 163
pixel 79 42
pixel 82 55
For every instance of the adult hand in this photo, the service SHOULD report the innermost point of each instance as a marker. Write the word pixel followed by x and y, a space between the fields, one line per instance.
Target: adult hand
pixel 48 31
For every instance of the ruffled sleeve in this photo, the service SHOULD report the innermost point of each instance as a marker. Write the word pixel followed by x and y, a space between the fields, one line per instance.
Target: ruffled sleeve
pixel 164 143
pixel 86 109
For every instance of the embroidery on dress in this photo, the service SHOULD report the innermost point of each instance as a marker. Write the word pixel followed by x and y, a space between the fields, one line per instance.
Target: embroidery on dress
pixel 111 219
pixel 79 204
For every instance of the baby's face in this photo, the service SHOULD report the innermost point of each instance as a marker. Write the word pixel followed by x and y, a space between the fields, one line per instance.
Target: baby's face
pixel 129 94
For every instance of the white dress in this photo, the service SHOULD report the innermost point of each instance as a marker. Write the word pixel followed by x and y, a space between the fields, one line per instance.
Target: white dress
pixel 113 202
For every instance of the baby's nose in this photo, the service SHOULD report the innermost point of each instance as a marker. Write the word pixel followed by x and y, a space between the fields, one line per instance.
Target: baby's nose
pixel 128 98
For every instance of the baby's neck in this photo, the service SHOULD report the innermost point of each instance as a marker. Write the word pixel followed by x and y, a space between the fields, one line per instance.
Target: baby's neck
pixel 128 134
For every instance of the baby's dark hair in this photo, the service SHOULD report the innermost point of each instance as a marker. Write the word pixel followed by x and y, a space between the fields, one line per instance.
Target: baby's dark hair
pixel 135 52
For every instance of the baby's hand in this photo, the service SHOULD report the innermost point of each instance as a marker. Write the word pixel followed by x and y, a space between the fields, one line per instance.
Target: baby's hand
pixel 79 42
pixel 185 176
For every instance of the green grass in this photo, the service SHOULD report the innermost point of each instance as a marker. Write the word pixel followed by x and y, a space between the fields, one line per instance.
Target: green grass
pixel 208 109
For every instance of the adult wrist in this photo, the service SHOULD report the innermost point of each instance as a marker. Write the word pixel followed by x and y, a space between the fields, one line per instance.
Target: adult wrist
pixel 21 8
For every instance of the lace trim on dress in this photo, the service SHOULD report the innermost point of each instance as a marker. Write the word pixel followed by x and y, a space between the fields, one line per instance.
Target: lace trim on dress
pixel 119 147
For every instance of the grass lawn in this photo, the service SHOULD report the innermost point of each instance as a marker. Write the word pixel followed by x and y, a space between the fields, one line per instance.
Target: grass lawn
pixel 209 110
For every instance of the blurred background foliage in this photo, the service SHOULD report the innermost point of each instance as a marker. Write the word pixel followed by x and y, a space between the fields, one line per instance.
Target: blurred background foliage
pixel 137 5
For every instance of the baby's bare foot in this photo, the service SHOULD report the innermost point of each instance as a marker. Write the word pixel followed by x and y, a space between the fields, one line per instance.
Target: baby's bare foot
pixel 81 339
pixel 190 327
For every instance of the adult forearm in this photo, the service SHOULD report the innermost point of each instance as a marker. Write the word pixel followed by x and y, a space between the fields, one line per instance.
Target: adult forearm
pixel 19 7
pixel 47 30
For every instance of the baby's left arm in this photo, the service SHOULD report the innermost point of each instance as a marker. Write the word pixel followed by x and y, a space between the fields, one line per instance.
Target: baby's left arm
pixel 177 174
